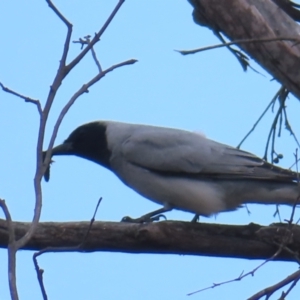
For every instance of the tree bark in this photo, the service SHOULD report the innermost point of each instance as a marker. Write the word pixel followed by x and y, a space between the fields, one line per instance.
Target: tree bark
pixel 168 237
pixel 258 19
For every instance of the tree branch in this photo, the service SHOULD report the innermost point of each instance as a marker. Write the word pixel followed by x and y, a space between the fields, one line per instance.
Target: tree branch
pixel 25 98
pixel 96 38
pixel 243 41
pixel 267 292
pixel 11 249
pixel 168 237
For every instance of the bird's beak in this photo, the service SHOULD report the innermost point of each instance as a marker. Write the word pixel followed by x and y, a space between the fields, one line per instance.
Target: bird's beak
pixel 62 149
pixel 65 148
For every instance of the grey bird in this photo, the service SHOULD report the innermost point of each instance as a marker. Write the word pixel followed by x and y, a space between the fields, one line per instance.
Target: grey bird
pixel 181 169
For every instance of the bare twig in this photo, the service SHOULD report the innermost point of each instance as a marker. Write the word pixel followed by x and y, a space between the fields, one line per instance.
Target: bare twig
pixel 267 292
pixel 91 223
pixel 96 38
pixel 259 119
pixel 240 56
pixel 272 132
pixel 287 249
pixel 96 60
pixel 82 90
pixel 242 41
pixel 11 250
pixel 25 98
pixel 277 213
pixel 12 278
pixel 62 72
pixel 60 75
pixel 58 13
pixel 289 127
pixel 86 41
pixel 10 227
pixel 241 276
pixel 39 157
pixel 284 294
pixel 40 271
pixel 291 220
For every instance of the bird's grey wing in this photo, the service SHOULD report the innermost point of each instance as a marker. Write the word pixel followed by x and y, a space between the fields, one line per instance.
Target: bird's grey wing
pixel 176 152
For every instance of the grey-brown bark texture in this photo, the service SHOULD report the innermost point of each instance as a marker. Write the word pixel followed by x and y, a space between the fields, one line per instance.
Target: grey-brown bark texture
pixel 258 19
pixel 168 237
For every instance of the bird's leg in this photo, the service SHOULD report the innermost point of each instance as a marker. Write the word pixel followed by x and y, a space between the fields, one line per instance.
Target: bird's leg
pixel 150 217
pixel 196 218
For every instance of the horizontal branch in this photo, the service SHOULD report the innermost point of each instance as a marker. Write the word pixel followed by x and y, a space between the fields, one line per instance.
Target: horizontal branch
pixel 168 237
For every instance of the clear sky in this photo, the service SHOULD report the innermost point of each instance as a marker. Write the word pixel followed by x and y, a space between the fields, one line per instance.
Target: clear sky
pixel 207 92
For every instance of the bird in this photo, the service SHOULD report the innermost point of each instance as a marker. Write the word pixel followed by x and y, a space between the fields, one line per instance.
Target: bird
pixel 180 169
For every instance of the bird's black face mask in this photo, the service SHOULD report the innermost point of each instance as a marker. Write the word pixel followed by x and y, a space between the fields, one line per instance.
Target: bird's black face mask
pixel 87 141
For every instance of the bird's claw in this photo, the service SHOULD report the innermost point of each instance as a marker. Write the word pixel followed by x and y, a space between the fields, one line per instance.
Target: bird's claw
pixel 157 217
pixel 143 219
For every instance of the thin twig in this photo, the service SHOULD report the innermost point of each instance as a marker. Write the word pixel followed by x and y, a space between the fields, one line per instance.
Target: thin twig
pixel 40 271
pixel 96 59
pixel 82 90
pixel 39 157
pixel 12 278
pixel 58 13
pixel 10 227
pixel 241 276
pixel 289 128
pixel 259 119
pixel 60 75
pixel 267 292
pixel 284 294
pixel 272 133
pixel 277 213
pixel 11 250
pixel 287 249
pixel 242 41
pixel 86 41
pixel 241 57
pixel 96 38
pixel 297 201
pixel 25 98
pixel 91 223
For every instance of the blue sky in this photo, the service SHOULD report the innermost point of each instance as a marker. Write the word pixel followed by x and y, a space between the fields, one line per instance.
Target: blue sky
pixel 207 92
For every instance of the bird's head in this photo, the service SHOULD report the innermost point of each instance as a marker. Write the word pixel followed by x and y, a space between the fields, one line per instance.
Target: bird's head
pixel 87 141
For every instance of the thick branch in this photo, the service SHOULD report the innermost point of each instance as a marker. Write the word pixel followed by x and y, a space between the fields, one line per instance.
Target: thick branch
pixel 257 19
pixel 169 237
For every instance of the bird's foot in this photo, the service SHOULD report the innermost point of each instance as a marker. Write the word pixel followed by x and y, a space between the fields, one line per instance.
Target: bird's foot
pixel 144 219
pixel 150 217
